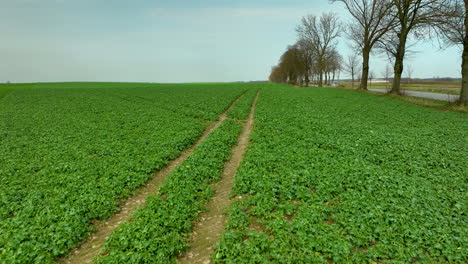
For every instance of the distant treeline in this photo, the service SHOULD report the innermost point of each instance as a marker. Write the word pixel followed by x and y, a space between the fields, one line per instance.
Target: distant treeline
pixel 383 26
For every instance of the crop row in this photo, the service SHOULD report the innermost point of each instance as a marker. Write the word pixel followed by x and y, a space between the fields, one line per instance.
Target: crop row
pixel 241 110
pixel 158 231
pixel 334 176
pixel 70 155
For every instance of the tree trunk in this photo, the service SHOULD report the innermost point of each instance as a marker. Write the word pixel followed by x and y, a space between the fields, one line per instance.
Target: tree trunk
pixel 399 61
pixel 320 84
pixel 365 68
pixel 464 89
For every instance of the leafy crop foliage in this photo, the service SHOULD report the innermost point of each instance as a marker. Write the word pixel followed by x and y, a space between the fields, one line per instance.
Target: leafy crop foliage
pixel 333 176
pixel 70 152
pixel 4 90
pixel 241 109
pixel 158 231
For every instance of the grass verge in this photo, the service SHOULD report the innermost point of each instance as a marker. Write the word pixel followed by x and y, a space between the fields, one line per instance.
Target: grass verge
pixel 428 103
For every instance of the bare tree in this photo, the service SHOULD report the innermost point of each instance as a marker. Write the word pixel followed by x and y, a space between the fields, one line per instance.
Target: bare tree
pixel 413 16
pixel 336 64
pixel 453 28
pixel 373 19
pixel 332 65
pixel 321 34
pixel 455 31
pixel 359 73
pixel 289 67
pixel 386 73
pixel 409 72
pixel 307 58
pixel 295 66
pixel 371 77
pixel 351 66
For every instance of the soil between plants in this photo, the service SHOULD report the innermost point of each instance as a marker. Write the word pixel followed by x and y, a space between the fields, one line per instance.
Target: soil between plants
pixel 211 224
pixel 91 248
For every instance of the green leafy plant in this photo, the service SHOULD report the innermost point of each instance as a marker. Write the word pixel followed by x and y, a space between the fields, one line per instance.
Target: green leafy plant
pixel 158 231
pixel 71 152
pixel 334 176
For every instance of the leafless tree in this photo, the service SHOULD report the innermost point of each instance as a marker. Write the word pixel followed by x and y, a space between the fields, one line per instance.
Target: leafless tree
pixel 332 65
pixel 295 66
pixel 409 72
pixel 351 66
pixel 336 64
pixel 359 73
pixel 288 69
pixel 321 34
pixel 372 20
pixel 278 74
pixel 386 73
pixel 307 59
pixel 453 28
pixel 412 16
pixel 371 77
pixel 455 31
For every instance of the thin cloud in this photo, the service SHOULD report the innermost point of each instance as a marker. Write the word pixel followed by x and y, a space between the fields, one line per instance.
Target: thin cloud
pixel 258 13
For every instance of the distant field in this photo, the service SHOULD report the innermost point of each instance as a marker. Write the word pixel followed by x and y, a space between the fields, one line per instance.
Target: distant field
pixel 432 87
pixel 329 176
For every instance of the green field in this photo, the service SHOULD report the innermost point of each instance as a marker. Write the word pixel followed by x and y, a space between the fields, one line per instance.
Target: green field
pixel 330 176
pixel 70 153
pixel 334 176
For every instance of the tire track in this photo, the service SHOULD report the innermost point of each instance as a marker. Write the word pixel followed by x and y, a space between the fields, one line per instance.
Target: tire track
pixel 87 251
pixel 208 230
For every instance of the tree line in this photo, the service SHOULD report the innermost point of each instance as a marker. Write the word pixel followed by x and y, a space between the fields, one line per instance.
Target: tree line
pixel 377 26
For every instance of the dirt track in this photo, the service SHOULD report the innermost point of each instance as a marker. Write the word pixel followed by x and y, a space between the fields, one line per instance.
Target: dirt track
pixel 91 247
pixel 207 231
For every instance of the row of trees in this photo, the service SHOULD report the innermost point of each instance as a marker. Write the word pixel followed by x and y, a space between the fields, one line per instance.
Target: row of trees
pixel 379 25
pixel 313 58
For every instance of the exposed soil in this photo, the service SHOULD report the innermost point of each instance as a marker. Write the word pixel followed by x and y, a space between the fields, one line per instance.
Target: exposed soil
pixel 91 247
pixel 207 231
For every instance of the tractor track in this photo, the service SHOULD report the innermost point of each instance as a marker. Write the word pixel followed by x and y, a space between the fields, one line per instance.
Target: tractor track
pixel 211 224
pixel 88 250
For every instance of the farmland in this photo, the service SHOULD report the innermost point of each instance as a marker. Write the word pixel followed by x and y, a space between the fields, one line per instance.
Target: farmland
pixel 329 175
pixel 70 154
pixel 332 176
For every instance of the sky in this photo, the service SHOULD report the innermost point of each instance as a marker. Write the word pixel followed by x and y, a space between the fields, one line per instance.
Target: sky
pixel 170 40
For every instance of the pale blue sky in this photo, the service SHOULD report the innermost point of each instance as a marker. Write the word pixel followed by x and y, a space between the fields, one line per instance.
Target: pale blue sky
pixel 167 40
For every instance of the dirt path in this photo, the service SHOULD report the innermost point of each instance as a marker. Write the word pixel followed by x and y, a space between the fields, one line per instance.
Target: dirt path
pixel 90 248
pixel 207 231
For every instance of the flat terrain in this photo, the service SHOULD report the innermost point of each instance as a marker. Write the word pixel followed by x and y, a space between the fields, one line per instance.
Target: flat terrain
pixel 334 176
pixel 315 175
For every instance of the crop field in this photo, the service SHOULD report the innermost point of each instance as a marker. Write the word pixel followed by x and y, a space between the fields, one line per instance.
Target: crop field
pixel 332 176
pixel 329 176
pixel 69 154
